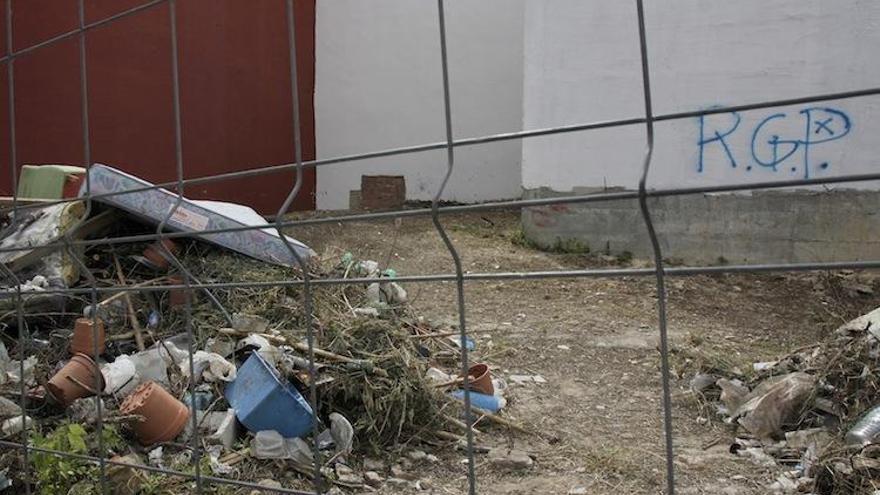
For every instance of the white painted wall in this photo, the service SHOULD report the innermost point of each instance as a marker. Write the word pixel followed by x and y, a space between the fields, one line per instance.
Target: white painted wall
pixel 582 65
pixel 378 86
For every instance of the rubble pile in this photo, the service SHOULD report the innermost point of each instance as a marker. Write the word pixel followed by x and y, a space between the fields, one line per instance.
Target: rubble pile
pixel 813 413
pixel 166 363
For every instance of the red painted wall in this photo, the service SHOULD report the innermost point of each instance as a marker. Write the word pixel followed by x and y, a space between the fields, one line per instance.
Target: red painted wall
pixel 236 110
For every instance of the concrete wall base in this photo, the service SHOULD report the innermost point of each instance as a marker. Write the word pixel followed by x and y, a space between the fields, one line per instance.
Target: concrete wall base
pixel 763 227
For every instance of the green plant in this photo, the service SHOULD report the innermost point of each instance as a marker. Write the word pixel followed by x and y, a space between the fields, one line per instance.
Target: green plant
pixel 56 474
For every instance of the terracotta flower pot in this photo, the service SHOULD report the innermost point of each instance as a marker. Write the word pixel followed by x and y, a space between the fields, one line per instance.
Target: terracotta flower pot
pixel 178 297
pixel 480 380
pixel 164 416
pixel 75 380
pixel 83 341
pixel 156 255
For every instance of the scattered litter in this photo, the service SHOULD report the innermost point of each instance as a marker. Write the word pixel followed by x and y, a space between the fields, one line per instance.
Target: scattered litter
pixel 15 425
pixel 491 403
pixel 269 352
pixel 269 444
pixel 263 402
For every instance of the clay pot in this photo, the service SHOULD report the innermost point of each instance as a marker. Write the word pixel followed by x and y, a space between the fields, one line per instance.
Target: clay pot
pixel 480 380
pixel 178 297
pixel 75 380
pixel 164 416
pixel 156 255
pixel 83 341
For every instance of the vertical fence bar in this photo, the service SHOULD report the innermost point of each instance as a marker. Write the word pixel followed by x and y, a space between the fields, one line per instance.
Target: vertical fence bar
pixel 187 277
pixel 456 259
pixel 93 283
pixel 658 254
pixel 308 307
pixel 23 337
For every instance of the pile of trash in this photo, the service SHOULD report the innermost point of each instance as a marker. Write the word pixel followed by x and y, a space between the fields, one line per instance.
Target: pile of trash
pixel 814 413
pixel 165 364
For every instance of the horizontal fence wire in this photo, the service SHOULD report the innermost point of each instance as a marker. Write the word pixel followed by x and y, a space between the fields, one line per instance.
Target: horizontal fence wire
pixel 459 277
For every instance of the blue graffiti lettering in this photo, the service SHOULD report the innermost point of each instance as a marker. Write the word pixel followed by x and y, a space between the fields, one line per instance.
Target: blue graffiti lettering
pixel 773 142
pixel 717 137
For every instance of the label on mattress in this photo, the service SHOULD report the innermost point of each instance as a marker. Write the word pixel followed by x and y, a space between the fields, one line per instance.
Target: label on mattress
pixel 190 219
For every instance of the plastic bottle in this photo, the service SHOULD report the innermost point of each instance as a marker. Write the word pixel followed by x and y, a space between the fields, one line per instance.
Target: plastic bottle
pixel 866 430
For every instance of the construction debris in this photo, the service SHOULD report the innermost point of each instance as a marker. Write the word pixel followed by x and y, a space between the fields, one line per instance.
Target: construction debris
pixel 816 410
pixel 170 366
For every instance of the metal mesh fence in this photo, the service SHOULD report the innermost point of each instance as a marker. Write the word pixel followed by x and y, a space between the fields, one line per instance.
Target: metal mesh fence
pixel 307 284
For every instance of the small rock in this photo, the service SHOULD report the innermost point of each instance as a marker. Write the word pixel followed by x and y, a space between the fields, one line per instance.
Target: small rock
pixel 578 490
pixel 397 482
pixel 343 470
pixel 398 472
pixel 702 381
pixel 423 485
pixel 416 455
pixel 351 479
pixel 509 459
pixel 563 348
pixel 432 458
pixel 371 464
pixel 267 483
pixel 373 479
pixel 9 408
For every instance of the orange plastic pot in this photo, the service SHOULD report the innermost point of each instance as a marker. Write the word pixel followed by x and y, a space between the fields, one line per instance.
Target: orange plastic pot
pixel 479 379
pixel 75 380
pixel 157 256
pixel 164 417
pixel 84 335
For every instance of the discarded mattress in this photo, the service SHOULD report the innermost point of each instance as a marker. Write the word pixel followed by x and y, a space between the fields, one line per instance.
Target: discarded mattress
pixel 195 216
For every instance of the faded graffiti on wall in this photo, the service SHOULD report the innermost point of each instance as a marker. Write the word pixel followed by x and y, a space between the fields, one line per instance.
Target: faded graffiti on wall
pixel 781 142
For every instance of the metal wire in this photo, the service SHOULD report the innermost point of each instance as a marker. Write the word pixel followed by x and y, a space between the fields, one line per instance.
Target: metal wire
pixel 456 259
pixel 303 266
pixel 642 195
pixel 658 253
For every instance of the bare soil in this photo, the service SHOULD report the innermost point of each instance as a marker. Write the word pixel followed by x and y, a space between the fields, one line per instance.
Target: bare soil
pixel 594 340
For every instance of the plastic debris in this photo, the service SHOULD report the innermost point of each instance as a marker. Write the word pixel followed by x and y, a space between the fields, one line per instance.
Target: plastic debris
pixel 120 376
pixel 866 430
pixel 214 452
pixel 491 403
pixel 269 352
pixel 224 427
pixel 774 402
pixel 262 401
pixel 269 444
pixel 342 433
pixel 212 367
pixel 15 425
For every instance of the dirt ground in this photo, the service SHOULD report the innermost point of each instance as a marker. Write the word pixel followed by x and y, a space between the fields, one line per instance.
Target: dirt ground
pixel 595 342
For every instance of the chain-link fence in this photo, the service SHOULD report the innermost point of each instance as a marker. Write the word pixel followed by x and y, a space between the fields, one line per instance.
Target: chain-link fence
pixel 95 292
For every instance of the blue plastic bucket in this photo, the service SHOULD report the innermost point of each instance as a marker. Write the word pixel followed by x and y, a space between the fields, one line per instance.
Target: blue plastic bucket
pixel 264 402
pixel 489 403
